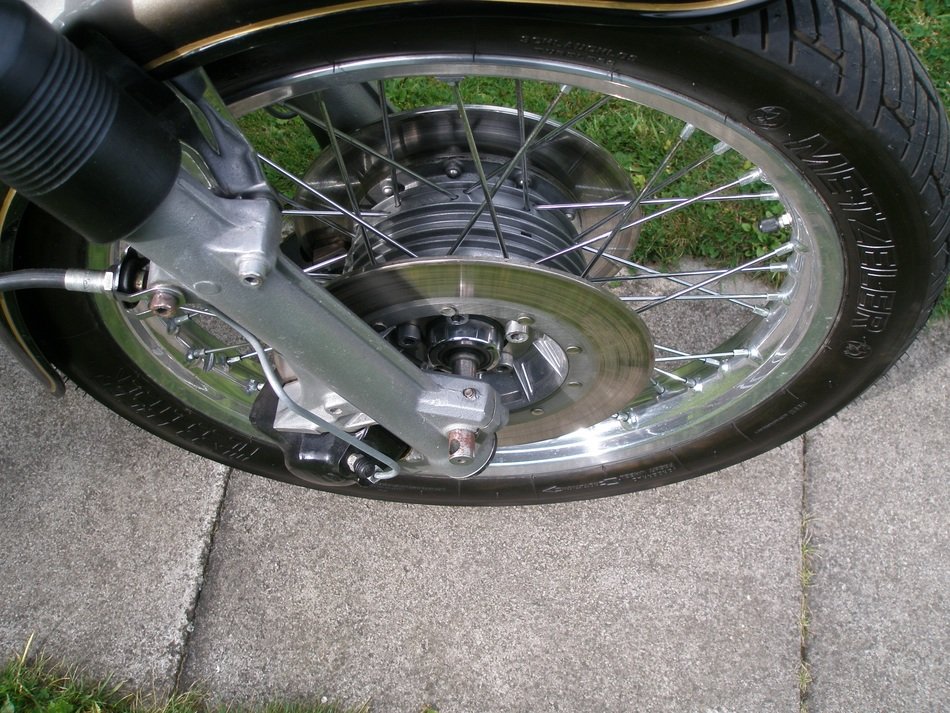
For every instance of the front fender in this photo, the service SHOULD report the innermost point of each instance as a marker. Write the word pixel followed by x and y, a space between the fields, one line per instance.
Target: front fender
pixel 157 32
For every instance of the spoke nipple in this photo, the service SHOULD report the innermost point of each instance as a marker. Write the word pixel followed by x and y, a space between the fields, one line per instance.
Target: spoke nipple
pixel 751 176
pixel 773 225
pixel 627 419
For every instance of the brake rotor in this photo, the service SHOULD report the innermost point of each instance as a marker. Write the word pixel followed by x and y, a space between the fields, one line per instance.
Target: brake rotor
pixel 571 354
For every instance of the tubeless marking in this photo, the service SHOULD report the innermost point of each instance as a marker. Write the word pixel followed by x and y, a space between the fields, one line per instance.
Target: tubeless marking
pixel 583 51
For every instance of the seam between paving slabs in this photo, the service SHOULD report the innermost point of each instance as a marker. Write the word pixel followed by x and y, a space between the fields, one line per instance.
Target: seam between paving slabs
pixel 806 547
pixel 205 559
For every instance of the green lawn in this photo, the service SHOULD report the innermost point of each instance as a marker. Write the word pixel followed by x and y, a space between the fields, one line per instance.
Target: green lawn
pixel 638 138
pixel 36 684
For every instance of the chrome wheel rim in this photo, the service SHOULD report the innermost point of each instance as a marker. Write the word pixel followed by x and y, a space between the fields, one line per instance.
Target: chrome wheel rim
pixel 769 330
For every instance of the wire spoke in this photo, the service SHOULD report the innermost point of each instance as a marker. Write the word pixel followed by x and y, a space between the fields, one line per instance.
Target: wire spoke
pixel 712 358
pixel 329 262
pixel 388 134
pixel 519 92
pixel 777 267
pixel 742 180
pixel 769 196
pixel 778 252
pixel 755 309
pixel 356 143
pixel 684 135
pixel 675 377
pixel 487 203
pixel 526 143
pixel 570 123
pixel 687 297
pixel 556 130
pixel 345 175
pixel 333 204
pixel 330 213
pixel 718 150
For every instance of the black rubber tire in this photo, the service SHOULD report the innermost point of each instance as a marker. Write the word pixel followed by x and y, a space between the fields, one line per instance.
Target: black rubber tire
pixel 828 83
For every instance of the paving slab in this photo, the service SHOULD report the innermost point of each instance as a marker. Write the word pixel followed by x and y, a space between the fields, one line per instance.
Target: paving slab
pixel 679 599
pixel 103 534
pixel 879 494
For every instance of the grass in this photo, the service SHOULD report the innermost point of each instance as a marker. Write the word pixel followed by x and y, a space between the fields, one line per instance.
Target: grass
pixel 35 683
pixel 718 233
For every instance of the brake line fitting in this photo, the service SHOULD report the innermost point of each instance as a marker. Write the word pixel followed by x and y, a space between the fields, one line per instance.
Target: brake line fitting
pixel 73 280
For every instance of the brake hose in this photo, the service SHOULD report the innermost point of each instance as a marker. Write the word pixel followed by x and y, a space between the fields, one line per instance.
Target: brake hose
pixel 93 281
pixel 72 280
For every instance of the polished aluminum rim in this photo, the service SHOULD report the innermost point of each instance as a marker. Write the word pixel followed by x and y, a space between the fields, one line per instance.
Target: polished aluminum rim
pixel 770 327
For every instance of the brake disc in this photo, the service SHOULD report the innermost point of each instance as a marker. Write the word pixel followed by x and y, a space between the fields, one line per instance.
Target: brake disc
pixel 562 353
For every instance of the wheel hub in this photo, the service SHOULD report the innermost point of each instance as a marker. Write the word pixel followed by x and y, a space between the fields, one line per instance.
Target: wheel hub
pixel 426 213
pixel 562 353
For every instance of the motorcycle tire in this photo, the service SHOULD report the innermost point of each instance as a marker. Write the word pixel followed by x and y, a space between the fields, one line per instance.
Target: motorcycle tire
pixel 823 96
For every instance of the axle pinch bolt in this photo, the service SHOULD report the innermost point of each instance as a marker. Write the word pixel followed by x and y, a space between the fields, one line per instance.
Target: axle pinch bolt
pixel 461 446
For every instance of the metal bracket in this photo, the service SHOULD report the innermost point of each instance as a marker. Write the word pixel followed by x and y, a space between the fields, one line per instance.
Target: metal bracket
pixel 205 243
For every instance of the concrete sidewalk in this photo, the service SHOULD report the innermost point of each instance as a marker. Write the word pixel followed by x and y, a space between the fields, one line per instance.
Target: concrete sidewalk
pixel 132 558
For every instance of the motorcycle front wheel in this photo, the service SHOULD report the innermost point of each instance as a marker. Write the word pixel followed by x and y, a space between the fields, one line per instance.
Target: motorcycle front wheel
pixel 765 195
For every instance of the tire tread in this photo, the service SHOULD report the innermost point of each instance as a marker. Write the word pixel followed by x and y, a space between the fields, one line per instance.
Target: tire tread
pixel 850 50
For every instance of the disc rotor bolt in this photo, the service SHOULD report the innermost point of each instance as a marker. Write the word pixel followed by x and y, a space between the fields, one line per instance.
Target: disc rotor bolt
pixel 517 332
pixel 408 335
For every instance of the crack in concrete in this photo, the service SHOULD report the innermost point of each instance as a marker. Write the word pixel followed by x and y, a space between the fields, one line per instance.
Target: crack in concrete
pixel 204 561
